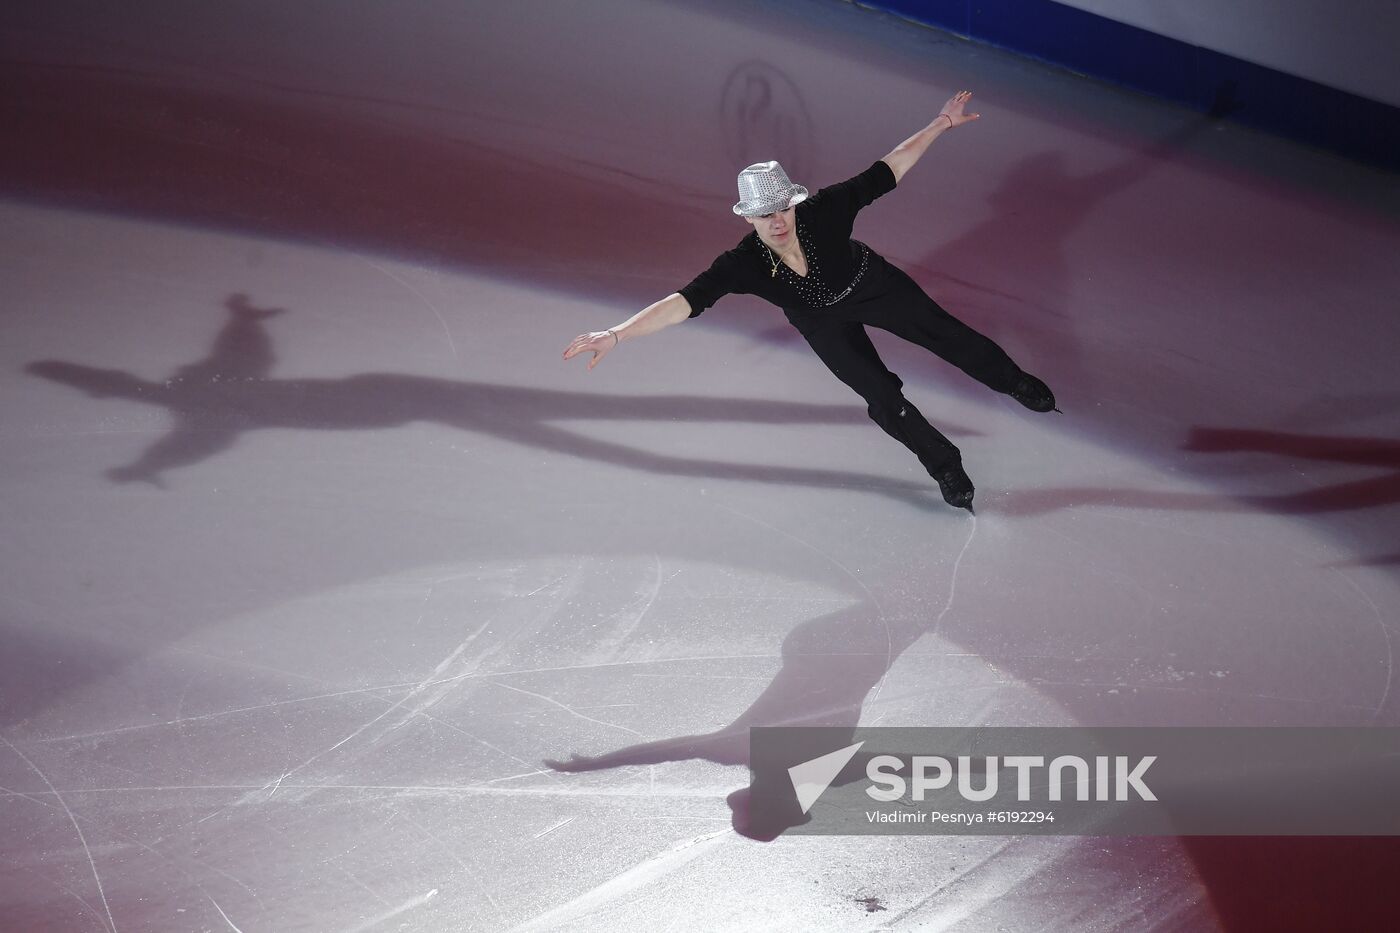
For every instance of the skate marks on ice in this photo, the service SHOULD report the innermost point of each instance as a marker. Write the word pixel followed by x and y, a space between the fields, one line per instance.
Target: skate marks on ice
pixel 82 838
pixel 627 882
pixel 832 667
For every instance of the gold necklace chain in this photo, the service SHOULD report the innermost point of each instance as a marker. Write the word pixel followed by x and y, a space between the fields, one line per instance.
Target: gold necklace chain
pixel 778 257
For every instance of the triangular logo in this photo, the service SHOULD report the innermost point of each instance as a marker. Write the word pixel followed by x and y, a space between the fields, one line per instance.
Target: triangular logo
pixel 811 778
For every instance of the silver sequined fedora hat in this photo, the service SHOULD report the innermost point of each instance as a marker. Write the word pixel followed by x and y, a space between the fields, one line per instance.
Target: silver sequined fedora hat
pixel 764 188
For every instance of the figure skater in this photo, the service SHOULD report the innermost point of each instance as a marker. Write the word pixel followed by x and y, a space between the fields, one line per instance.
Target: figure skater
pixel 800 256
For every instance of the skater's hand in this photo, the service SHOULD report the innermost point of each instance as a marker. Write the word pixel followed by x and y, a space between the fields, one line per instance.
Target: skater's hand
pixel 953 110
pixel 597 342
pixel 901 158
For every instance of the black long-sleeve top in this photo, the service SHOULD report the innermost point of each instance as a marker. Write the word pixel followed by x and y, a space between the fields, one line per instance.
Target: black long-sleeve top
pixel 834 261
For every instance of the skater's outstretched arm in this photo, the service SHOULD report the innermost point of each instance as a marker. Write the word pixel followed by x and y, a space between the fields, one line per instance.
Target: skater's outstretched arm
pixel 669 310
pixel 902 158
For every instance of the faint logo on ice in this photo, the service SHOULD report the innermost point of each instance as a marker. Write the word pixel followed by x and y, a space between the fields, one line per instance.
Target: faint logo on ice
pixel 764 117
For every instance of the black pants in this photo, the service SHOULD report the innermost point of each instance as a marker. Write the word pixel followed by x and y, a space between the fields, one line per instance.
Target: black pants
pixel 888 299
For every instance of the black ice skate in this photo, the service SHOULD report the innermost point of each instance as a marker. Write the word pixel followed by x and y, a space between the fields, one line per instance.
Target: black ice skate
pixel 1033 394
pixel 955 485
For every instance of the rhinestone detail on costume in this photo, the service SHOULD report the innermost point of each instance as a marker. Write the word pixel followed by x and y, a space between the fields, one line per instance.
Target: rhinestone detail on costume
pixel 811 287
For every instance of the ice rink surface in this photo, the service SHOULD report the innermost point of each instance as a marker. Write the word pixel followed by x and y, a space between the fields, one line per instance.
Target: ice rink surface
pixel 315 549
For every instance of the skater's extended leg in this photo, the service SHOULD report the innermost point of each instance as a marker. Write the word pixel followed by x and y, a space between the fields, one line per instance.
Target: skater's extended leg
pixel 846 350
pixel 913 315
